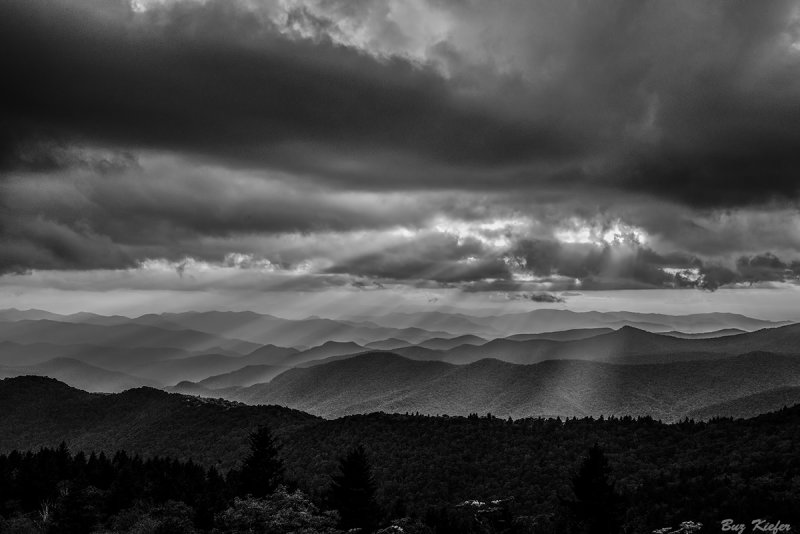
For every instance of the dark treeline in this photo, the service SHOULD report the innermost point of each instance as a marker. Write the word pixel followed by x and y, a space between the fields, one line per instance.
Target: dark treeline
pixel 666 474
pixel 55 491
pixel 423 474
pixel 52 490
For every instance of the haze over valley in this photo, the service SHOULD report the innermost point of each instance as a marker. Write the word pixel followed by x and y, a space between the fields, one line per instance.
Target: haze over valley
pixel 515 365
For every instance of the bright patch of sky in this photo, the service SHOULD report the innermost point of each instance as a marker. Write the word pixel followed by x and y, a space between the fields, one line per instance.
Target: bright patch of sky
pixel 616 232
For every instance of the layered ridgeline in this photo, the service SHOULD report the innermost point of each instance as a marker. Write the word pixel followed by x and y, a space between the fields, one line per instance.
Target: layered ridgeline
pixel 539 363
pixel 425 466
pixel 669 392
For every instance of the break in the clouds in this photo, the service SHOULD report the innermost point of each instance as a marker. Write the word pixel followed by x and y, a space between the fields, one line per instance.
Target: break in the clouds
pixel 519 147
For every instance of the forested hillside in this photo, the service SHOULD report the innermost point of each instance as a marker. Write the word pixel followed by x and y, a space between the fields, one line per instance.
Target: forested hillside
pixel 41 412
pixel 425 466
pixel 574 388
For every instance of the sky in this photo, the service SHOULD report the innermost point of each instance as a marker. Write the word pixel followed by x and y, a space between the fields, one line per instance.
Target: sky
pixel 327 157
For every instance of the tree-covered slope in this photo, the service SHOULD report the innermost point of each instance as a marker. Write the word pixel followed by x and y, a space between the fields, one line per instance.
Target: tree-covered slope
pixel 666 473
pixel 387 382
pixel 38 411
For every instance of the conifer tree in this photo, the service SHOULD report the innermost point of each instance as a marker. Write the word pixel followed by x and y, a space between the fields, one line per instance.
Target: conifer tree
pixel 596 507
pixel 263 469
pixel 352 492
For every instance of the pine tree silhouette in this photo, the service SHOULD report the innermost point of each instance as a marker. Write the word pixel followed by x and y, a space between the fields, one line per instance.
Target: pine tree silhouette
pixel 263 469
pixel 596 507
pixel 352 492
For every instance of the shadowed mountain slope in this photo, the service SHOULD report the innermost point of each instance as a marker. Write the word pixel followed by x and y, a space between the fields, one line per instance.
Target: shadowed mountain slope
pixel 80 375
pixel 387 382
pixel 706 335
pixel 244 377
pixel 445 344
pixel 42 412
pixel 750 405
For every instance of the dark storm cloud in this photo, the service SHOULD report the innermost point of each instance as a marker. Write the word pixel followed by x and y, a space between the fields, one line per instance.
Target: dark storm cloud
pixel 548 298
pixel 631 267
pixel 79 220
pixel 714 86
pixel 213 79
pixel 766 267
pixel 241 280
pixel 693 101
pixel 200 129
pixel 35 153
pixel 716 276
pixel 726 123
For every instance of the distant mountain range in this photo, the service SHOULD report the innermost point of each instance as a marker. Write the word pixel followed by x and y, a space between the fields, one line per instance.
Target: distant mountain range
pixel 126 336
pixel 548 320
pixel 539 363
pixel 81 375
pixel 152 365
pixel 391 383
pixel 246 327
pixel 411 328
pixel 626 345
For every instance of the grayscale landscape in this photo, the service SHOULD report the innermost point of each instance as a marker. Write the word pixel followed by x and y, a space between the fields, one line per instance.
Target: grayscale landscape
pixel 399 266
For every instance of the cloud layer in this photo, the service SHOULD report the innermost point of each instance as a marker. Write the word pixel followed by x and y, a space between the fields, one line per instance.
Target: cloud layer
pixel 512 146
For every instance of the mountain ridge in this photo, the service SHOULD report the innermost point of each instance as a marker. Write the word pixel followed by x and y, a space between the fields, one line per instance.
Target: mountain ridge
pixel 385 381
